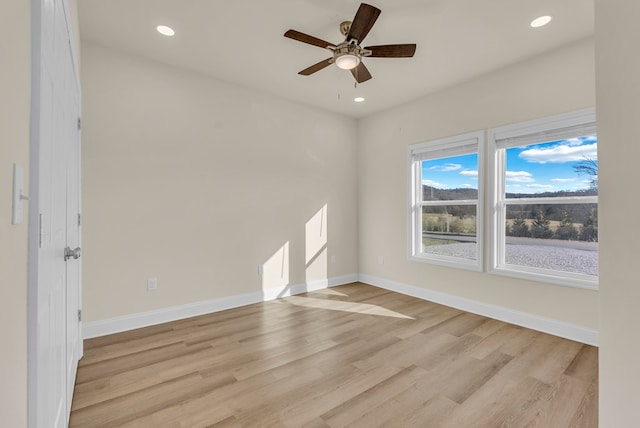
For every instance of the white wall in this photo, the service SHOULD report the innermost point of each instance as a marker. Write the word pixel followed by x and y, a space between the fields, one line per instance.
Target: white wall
pixel 618 107
pixel 556 82
pixel 14 147
pixel 197 182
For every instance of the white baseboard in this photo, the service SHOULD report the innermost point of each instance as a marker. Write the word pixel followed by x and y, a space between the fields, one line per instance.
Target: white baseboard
pixel 145 319
pixel 535 322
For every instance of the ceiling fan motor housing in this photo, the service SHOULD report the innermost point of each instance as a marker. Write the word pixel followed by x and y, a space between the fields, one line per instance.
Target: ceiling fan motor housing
pixel 345 26
pixel 350 48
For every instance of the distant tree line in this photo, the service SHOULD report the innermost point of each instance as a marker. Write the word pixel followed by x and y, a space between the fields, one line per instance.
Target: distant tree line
pixel 580 213
pixel 566 230
pixel 540 215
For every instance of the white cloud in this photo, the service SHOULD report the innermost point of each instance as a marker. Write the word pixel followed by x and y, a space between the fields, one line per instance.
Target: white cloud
pixel 469 173
pixel 467 185
pixel 541 186
pixel 563 180
pixel 561 153
pixel 574 141
pixel 519 177
pixel 447 167
pixel 432 183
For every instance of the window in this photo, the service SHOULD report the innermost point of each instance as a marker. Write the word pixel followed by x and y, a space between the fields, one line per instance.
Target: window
pixel 545 200
pixel 446 201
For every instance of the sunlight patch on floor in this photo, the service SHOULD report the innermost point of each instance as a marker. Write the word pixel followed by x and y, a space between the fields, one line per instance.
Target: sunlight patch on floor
pixel 330 292
pixel 336 305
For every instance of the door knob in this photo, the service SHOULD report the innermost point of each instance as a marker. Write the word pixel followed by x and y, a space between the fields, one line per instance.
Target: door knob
pixel 69 253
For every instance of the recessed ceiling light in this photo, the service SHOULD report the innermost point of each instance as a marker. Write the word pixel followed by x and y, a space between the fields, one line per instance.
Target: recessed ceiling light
pixel 540 21
pixel 165 31
pixel 358 99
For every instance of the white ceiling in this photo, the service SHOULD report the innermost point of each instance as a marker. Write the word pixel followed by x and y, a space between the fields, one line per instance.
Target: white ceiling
pixel 241 41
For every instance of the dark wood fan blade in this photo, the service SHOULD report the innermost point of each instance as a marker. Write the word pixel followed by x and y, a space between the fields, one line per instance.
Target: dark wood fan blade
pixel 392 51
pixel 361 73
pixel 362 22
pixel 305 38
pixel 316 67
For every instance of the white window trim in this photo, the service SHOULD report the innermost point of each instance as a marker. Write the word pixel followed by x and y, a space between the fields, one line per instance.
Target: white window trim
pixel 449 146
pixel 497 185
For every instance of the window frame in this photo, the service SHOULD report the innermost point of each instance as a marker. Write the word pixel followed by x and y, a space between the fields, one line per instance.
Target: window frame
pixel 498 201
pixel 447 147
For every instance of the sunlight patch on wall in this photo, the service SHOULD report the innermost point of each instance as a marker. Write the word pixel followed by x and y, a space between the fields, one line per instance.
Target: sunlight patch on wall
pixel 316 246
pixel 275 272
pixel 317 268
pixel 315 234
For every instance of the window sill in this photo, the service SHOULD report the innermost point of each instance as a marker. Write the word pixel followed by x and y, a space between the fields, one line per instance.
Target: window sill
pixel 468 264
pixel 586 282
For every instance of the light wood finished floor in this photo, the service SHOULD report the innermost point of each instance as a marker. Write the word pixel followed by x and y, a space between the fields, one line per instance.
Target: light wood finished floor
pixel 350 356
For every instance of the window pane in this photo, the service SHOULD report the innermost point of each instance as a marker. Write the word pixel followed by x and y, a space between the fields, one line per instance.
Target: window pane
pixel 450 231
pixel 560 237
pixel 553 169
pixel 450 178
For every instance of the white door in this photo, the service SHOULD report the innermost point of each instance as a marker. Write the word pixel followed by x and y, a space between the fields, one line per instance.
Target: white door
pixel 54 346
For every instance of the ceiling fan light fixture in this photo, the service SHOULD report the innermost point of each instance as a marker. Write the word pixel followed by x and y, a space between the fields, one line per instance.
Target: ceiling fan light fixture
pixel 347 61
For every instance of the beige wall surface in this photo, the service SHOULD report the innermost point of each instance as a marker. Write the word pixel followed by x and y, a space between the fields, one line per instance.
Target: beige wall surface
pixel 14 148
pixel 618 107
pixel 197 182
pixel 557 82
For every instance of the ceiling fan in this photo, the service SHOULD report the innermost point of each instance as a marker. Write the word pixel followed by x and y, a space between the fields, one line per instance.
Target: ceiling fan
pixel 348 54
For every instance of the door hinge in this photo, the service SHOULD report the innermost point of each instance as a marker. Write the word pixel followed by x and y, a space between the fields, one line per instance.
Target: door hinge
pixel 79 124
pixel 79 315
pixel 79 220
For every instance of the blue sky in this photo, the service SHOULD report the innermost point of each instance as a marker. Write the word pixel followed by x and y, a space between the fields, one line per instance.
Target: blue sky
pixel 545 167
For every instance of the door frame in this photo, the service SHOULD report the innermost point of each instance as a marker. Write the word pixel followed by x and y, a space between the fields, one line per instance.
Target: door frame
pixel 33 227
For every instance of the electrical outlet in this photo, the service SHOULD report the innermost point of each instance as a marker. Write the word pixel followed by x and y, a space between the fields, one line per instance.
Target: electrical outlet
pixel 380 260
pixel 260 270
pixel 333 260
pixel 152 284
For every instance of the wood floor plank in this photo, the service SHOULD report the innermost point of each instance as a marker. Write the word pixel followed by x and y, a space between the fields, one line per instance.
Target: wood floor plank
pixel 527 397
pixel 393 409
pixel 128 382
pixel 585 364
pixel 349 356
pixel 586 415
pixel 353 409
pixel 432 412
pixel 466 381
pixel 324 399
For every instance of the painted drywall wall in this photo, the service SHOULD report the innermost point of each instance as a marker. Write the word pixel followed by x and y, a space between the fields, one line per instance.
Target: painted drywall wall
pixel 559 81
pixel 618 107
pixel 197 182
pixel 14 148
